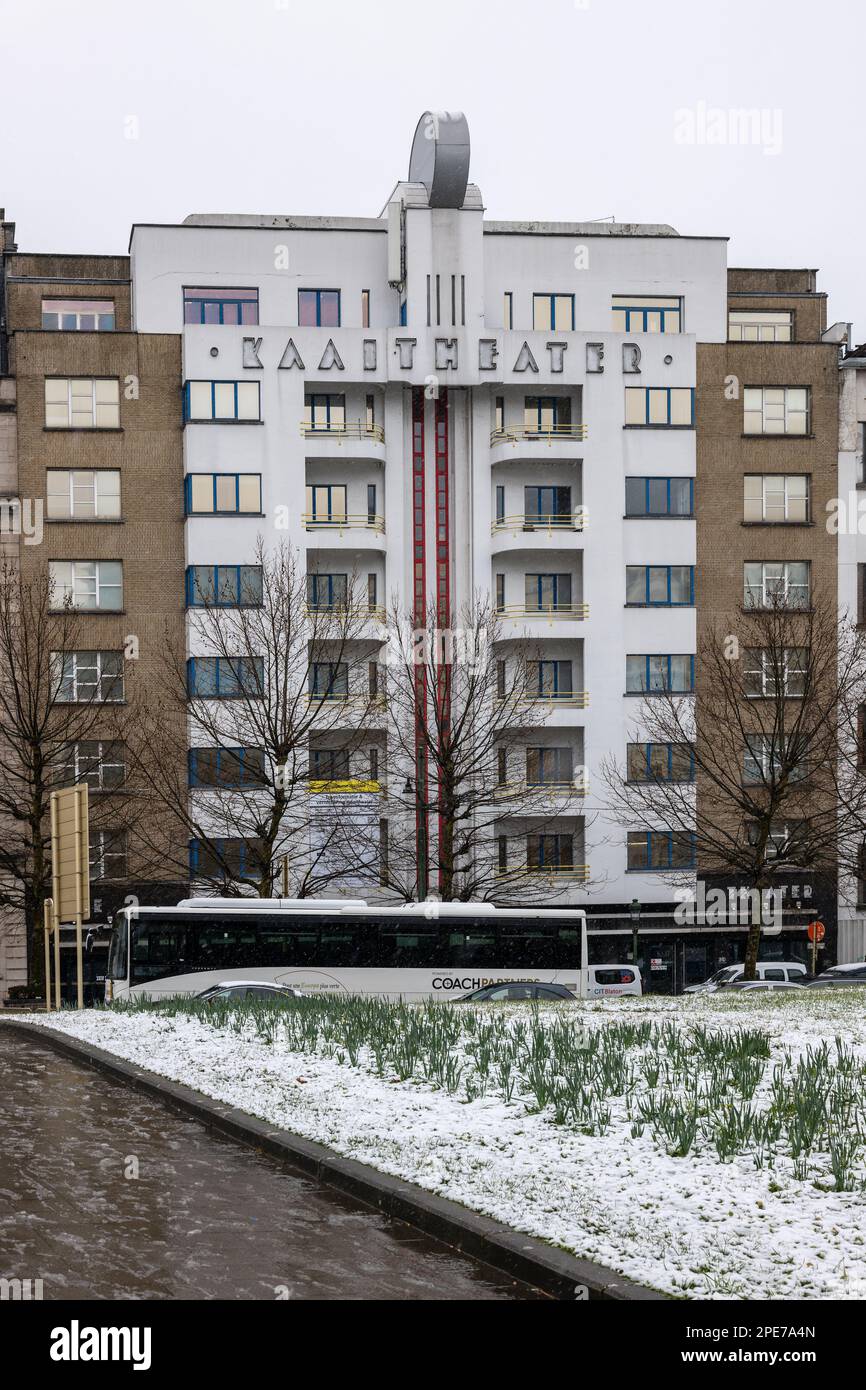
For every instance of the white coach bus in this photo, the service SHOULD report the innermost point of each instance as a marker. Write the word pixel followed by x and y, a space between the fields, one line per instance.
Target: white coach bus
pixel 419 952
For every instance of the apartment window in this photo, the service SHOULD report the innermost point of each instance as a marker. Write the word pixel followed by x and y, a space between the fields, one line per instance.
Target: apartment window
pixel 230 858
pixel 73 494
pixel 216 305
pixel 372 679
pixel 226 768
pixel 553 312
pixel 550 851
pixel 225 678
pixel 319 308
pixel 776 410
pixel 547 593
pixel 546 414
pixel 649 497
pixel 371 504
pixel 770 583
pixel 661 762
pixel 549 767
pixel 765 759
pixel 325 412
pixel 500 680
pixel 500 593
pixel 499 414
pixel 659 586
pixel 768 674
pixel 365 308
pixel 652 675
pixel 329 765
pixel 372 591
pixel 78 315
pixel 102 765
pixel 776 498
pixel 550 680
pixel 671 407
pixel 89 677
pixel 108 855
pixel 547 506
pixel 222 401
pixel 778 837
pixel 500 504
pixel 642 313
pixel 760 326
pixel 370 414
pixel 82 403
pixel 223 494
pixel 326 502
pixel 861 595
pixel 328 680
pixel 502 853
pixel 650 850
pixel 374 764
pixel 328 591
pixel 508 309
pixel 87 584
pixel 224 586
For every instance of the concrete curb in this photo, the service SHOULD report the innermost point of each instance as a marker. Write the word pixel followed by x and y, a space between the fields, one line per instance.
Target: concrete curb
pixel 522 1257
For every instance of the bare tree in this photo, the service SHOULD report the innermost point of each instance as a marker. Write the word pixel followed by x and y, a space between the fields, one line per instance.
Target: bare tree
pixel 761 774
pixel 279 707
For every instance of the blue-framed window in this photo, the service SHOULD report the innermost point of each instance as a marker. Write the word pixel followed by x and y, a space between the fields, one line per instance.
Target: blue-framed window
pixel 328 680
pixel 227 858
pixel 656 850
pixel 217 305
pixel 643 313
pixel 329 765
pixel 224 586
pixel 553 312
pixel 660 407
pixel 404 313
pixel 661 762
pixel 226 767
pixel 225 678
pixel 657 674
pixel 544 414
pixel 550 851
pixel 324 412
pixel 221 401
pixel 547 593
pixel 548 506
pixel 319 308
pixel 659 586
pixel 551 680
pixel 223 494
pixel 659 497
pixel 327 591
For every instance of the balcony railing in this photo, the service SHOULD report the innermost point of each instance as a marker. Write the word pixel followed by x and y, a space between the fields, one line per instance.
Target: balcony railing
pixel 578 786
pixel 360 521
pixel 563 612
pixel 337 700
pixel 565 521
pixel 517 434
pixel 343 613
pixel 577 699
pixel 350 429
pixel 559 873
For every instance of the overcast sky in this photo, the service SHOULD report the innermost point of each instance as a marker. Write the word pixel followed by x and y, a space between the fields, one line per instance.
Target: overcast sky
pixel 578 109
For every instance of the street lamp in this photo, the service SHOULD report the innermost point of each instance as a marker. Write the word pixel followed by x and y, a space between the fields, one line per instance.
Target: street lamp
pixel 635 930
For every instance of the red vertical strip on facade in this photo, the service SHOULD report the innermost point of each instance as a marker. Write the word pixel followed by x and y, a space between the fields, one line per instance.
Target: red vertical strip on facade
pixel 419 608
pixel 443 577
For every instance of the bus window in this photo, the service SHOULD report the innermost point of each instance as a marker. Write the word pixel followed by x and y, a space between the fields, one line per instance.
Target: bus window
pixel 289 943
pixel 473 946
pixel 410 945
pixel 158 949
pixel 527 944
pixel 224 946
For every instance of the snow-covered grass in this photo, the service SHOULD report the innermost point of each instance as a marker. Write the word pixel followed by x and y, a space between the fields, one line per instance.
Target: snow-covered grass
pixel 712 1147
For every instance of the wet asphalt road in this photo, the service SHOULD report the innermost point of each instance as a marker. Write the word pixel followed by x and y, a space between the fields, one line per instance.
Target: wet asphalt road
pixel 204 1218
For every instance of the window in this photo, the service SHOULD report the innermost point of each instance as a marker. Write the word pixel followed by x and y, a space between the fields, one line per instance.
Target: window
pixel 227 859
pixel 549 767
pixel 548 593
pixel 329 591
pixel 500 593
pixel 776 498
pixel 329 765
pixel 650 675
pixel 768 674
pixel 766 758
pixel 760 326
pixel 547 506
pixel 225 678
pixel 224 586
pixel 861 595
pixel 508 309
pixel 372 679
pixel 659 586
pixel 546 414
pixel 550 851
pixel 329 680
pixel 326 503
pixel 87 676
pixel 499 414
pixel 500 504
pixel 776 410
pixel 643 313
pixel 365 308
pixel 325 412
pixel 223 494
pixel 553 311
pixel 230 768
pixel 659 497
pixel 370 414
pixel 660 849
pixel 372 591
pixel 502 766
pixel 374 764
pixel 87 584
pixel 771 583
pixel 83 492
pixel 101 765
pixel 778 838
pixel 371 504
pixel 78 315
pixel 550 680
pixel 319 308
pixel 216 305
pixel 668 406
pixel 661 762
pixel 82 403
pixel 500 680
pixel 222 401
pixel 108 855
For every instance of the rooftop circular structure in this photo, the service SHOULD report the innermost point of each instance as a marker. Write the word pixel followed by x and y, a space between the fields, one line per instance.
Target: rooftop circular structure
pixel 440 157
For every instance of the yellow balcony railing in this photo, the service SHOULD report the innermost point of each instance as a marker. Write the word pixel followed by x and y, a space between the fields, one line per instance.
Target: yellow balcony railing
pixel 578 699
pixel 545 525
pixel 359 521
pixel 516 434
pixel 554 612
pixel 571 873
pixel 350 429
pixel 342 613
pixel 577 787
pixel 343 701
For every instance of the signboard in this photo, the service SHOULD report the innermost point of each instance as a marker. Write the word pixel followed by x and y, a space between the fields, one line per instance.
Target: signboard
pixel 70 853
pixel 817 932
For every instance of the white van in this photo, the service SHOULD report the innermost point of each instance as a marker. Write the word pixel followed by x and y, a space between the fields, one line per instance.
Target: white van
pixel 780 971
pixel 607 981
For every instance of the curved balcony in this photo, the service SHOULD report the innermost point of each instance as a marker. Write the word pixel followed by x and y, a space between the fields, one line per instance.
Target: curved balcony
pixel 354 439
pixel 367 532
pixel 535 618
pixel 523 442
pixel 347 619
pixel 515 791
pixel 572 873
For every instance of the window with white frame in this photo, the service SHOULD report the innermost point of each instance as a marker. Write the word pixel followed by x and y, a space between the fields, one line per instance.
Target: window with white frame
pixel 776 583
pixel 108 855
pixel 760 326
pixel 101 764
pixel 89 676
pixel 82 403
pixel 776 498
pixel 222 401
pixel 778 837
pixel 766 758
pixel 87 584
pixel 768 673
pixel 78 315
pixel 776 410
pixel 88 493
pixel 647 313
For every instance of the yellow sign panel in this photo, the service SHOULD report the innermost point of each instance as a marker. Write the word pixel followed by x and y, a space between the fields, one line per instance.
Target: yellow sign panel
pixel 70 853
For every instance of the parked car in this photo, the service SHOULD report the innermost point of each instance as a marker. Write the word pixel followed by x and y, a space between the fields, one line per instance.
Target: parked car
pixel 510 993
pixel 232 990
pixel 603 981
pixel 781 971
pixel 763 986
pixel 840 975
